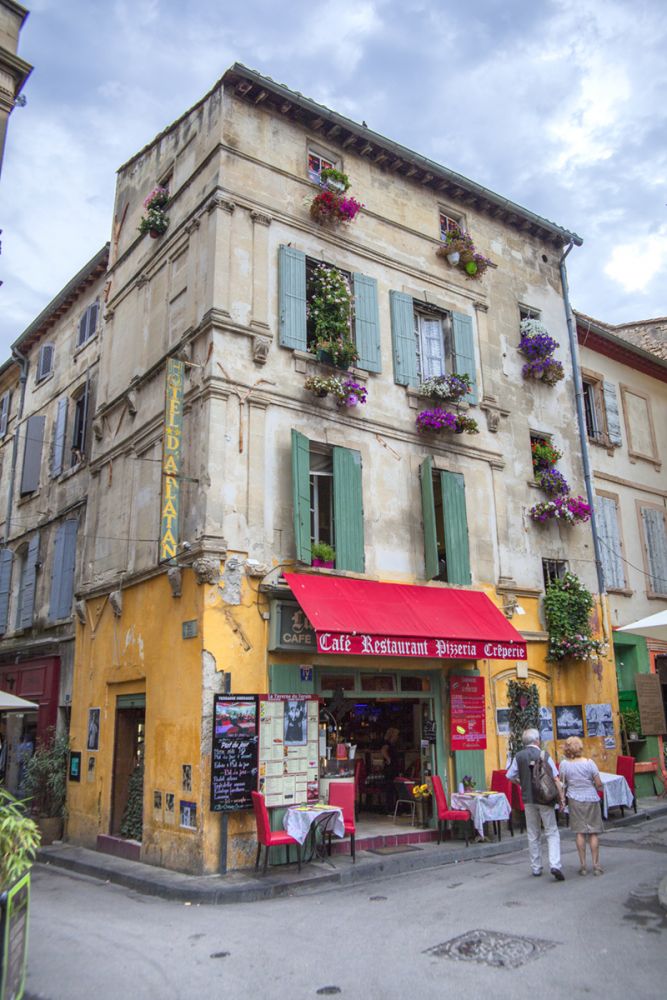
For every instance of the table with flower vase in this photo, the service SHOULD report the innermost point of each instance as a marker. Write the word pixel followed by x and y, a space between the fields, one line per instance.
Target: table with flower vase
pixel 484 807
pixel 305 822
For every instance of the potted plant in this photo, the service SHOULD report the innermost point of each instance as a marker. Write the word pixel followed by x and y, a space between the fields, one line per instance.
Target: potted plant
pixel 449 388
pixel 19 840
pixel 459 251
pixel 538 347
pixel 332 205
pixel 322 554
pixel 339 352
pixel 438 419
pixel 155 222
pixel 567 609
pixel 46 785
pixel 632 723
pixel 468 783
pixel 570 510
pixel 334 180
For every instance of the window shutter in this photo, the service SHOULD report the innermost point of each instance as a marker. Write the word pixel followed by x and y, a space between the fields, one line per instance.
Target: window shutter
pixel 613 415
pixel 45 365
pixel 59 438
pixel 292 298
pixel 301 495
pixel 456 527
pixel 367 323
pixel 32 455
pixel 93 311
pixel 28 582
pixel 4 413
pixel 403 338
pixel 62 572
pixel 6 557
pixel 655 541
pixel 464 351
pixel 428 515
pixel 471 762
pixel 348 510
pixel 606 515
pixel 83 329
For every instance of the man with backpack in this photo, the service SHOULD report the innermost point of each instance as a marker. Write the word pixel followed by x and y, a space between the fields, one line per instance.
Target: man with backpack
pixel 535 772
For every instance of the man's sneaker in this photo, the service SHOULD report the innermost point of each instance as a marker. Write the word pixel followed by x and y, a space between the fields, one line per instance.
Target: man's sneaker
pixel 558 874
pixel 536 874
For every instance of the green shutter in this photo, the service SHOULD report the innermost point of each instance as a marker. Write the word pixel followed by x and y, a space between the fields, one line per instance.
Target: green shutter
pixel 456 527
pixel 301 495
pixel 464 351
pixel 403 338
pixel 285 678
pixel 428 514
pixel 292 298
pixel 470 762
pixel 367 323
pixel 348 510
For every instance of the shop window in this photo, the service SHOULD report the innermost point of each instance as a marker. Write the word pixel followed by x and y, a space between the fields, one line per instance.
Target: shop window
pixel 378 682
pixel 428 341
pixel 334 682
pixel 446 546
pixel 553 569
pixel 294 277
pixel 414 683
pixel 327 493
pixel 317 162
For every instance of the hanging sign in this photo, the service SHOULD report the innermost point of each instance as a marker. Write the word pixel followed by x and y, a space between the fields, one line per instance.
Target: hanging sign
pixel 651 707
pixel 234 752
pixel 467 713
pixel 171 460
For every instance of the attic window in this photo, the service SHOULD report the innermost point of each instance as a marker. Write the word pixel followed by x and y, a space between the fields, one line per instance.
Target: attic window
pixel 317 163
pixel 449 222
pixel 45 363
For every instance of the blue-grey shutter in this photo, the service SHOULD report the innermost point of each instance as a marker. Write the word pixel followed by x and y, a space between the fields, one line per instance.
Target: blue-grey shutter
pixel 606 516
pixel 59 437
pixel 403 339
pixel 32 455
pixel 28 584
pixel 292 298
pixel 83 329
pixel 4 412
pixel 62 571
pixel 45 363
pixel 464 351
pixel 93 311
pixel 348 510
pixel 6 557
pixel 457 551
pixel 301 495
pixel 428 514
pixel 655 541
pixel 613 415
pixel 367 323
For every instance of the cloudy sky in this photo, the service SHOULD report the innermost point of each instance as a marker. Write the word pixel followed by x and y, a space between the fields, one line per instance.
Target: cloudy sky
pixel 560 105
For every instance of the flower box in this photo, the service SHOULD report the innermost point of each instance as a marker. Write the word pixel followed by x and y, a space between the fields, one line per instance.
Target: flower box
pixel 438 419
pixel 459 251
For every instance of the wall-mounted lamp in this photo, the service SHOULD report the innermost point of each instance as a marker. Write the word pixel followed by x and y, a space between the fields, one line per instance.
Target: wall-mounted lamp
pixel 512 607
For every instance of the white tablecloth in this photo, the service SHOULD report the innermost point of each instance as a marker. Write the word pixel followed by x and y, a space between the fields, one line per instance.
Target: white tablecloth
pixel 615 790
pixel 299 819
pixel 482 808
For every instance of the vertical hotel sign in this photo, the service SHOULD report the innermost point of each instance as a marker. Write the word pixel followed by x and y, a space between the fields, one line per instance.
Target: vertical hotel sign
pixel 171 460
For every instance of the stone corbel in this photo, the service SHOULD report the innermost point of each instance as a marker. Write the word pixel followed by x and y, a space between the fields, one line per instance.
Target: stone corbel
pixel 98 429
pixel 260 218
pixel 175 578
pixel 80 611
pixel 142 280
pixel 260 349
pixel 493 412
pixel 219 201
pixel 193 224
pixel 131 402
pixel 206 570
pixel 116 602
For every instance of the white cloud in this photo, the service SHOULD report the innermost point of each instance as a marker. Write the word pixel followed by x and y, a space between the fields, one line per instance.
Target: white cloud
pixel 634 264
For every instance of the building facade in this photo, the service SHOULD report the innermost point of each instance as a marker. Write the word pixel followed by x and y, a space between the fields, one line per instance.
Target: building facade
pixel 14 71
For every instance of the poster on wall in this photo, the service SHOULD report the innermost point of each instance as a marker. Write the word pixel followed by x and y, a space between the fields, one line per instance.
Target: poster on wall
pixel 569 721
pixel 503 721
pixel 288 748
pixel 546 724
pixel 234 752
pixel 599 721
pixel 93 729
pixel 467 713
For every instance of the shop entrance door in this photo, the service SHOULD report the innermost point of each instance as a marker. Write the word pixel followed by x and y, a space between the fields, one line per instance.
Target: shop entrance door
pixel 128 761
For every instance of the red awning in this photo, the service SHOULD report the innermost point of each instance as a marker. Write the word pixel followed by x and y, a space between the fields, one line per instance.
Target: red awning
pixel 361 617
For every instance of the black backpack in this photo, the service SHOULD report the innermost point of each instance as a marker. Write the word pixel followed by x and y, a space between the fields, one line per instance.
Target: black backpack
pixel 542 782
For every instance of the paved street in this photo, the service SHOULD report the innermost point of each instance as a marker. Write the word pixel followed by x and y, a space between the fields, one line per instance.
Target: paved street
pixel 590 937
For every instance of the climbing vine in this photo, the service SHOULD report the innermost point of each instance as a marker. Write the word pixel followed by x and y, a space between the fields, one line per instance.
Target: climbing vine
pixel 567 607
pixel 133 816
pixel 524 704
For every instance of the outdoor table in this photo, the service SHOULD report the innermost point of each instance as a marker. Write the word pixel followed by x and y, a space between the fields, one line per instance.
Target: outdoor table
pixel 302 821
pixel 484 807
pixel 615 792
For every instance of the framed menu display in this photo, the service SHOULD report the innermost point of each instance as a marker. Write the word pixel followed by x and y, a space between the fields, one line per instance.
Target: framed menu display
pixel 288 748
pixel 234 752
pixel 467 712
pixel 651 708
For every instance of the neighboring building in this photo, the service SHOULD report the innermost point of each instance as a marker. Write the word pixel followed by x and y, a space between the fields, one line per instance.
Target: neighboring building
pixel 14 71
pixel 624 373
pixel 183 597
pixel 46 408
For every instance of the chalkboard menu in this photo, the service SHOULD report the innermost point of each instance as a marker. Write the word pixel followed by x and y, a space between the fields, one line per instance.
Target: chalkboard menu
pixel 14 937
pixel 234 756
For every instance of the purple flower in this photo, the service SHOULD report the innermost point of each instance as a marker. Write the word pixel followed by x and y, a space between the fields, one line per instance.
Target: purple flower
pixel 552 482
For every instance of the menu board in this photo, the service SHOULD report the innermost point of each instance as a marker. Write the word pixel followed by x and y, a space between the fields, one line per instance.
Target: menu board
pixel 234 752
pixel 651 707
pixel 467 713
pixel 288 748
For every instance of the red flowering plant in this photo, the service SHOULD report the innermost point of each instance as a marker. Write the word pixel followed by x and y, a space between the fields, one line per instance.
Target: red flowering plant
pixel 459 250
pixel 155 222
pixel 333 205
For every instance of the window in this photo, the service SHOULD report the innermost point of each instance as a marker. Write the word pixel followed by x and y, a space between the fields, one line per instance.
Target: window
pixel 311 266
pixel 446 547
pixel 45 362
pixel 639 428
pixel 593 410
pixel 553 569
pixel 453 340
pixel 449 222
pixel 88 324
pixel 611 543
pixel 327 494
pixel 317 163
pixel 654 542
pixel 32 454
pixel 293 322
pixel 5 402
pixel 28 559
pixel 527 312
pixel 81 425
pixel 603 423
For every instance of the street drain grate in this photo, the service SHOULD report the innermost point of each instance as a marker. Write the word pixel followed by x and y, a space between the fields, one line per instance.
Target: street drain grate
pixel 491 948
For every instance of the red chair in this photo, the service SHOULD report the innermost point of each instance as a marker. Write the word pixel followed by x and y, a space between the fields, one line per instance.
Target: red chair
pixel 625 766
pixel 500 783
pixel 341 793
pixel 517 803
pixel 444 813
pixel 266 837
pixel 359 782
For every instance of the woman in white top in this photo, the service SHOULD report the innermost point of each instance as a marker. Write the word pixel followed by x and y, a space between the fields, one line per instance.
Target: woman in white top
pixel 581 779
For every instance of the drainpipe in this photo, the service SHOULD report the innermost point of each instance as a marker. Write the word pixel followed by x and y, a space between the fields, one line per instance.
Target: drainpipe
pixel 23 378
pixel 583 437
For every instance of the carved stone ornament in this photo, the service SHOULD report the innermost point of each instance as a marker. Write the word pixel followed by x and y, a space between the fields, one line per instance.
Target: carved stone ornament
pixel 131 400
pixel 175 578
pixel 98 429
pixel 256 569
pixel 219 201
pixel 260 349
pixel 116 602
pixel 206 570
pixel 80 611
pixel 492 420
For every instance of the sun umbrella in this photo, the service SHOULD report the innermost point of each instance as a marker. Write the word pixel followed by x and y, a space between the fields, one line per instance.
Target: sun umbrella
pixel 11 703
pixel 653 627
